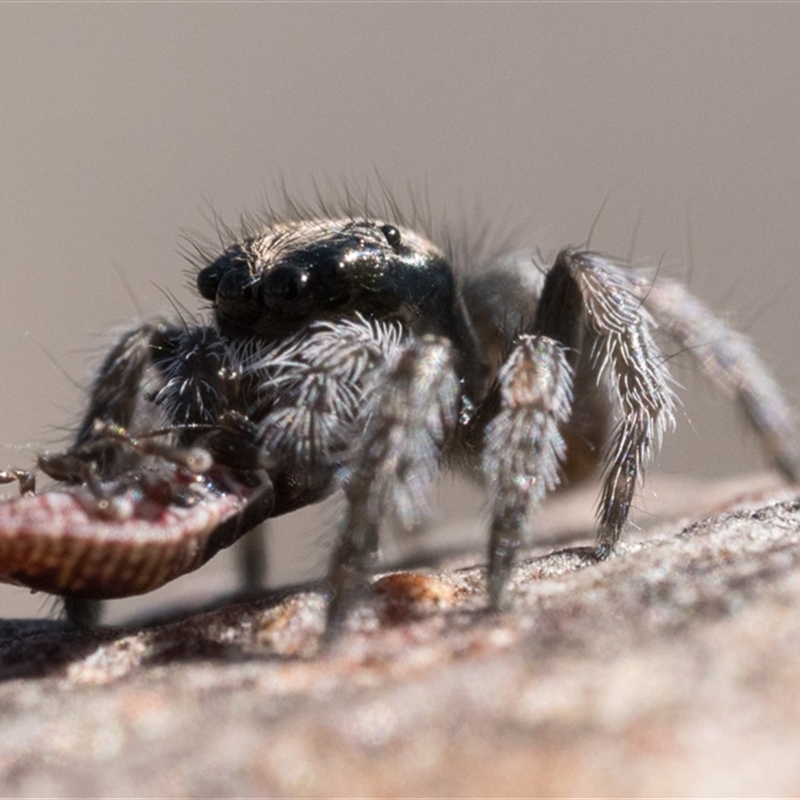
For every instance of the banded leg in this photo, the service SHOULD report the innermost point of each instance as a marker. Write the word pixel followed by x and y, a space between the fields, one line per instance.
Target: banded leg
pixel 523 445
pixel 408 428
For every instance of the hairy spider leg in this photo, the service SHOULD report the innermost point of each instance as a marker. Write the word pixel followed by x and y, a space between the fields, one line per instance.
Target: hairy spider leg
pixel 180 366
pixel 408 429
pixel 112 399
pixel 114 395
pixel 523 445
pixel 588 301
pixel 730 361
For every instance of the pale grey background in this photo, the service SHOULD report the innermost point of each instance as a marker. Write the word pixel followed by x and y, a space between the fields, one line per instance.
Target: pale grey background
pixel 120 125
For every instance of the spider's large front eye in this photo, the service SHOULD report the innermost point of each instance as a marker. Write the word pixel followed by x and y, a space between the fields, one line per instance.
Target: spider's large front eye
pixel 286 289
pixel 311 281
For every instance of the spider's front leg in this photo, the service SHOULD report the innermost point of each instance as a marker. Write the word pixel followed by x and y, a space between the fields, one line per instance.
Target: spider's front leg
pixel 113 398
pixel 586 303
pixel 147 504
pixel 407 429
pixel 523 445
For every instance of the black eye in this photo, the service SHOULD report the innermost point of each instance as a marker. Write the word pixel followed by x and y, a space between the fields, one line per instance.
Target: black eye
pixel 208 280
pixel 392 235
pixel 284 285
pixel 287 292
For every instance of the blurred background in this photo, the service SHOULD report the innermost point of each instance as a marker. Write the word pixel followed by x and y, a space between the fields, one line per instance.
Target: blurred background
pixel 123 126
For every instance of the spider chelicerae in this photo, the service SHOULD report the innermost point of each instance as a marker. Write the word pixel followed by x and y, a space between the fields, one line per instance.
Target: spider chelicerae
pixel 346 351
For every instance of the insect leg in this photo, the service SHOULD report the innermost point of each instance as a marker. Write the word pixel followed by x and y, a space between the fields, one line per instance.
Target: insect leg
pixel 251 559
pixel 25 479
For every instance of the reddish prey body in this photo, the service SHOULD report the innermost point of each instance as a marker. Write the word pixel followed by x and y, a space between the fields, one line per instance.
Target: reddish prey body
pixel 66 541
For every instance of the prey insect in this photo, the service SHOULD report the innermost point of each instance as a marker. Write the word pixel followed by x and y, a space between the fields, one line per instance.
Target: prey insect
pixel 349 352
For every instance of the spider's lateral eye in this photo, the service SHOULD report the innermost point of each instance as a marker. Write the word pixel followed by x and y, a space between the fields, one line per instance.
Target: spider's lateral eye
pixel 392 235
pixel 209 277
pixel 208 280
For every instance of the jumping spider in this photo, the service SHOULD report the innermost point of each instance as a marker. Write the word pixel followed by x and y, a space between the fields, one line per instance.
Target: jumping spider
pixel 353 353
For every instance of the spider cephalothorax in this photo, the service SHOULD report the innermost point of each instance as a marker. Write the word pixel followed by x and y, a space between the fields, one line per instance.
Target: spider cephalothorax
pixel 348 353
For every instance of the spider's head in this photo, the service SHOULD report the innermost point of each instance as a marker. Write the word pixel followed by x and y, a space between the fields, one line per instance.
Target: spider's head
pixel 275 283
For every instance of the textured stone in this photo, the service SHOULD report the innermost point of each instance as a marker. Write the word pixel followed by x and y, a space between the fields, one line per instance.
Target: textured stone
pixel 671 669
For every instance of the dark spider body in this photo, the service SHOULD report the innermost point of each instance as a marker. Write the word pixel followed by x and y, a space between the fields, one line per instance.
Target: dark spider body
pixel 350 354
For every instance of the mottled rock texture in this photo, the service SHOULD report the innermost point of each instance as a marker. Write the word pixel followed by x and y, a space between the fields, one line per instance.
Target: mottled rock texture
pixel 671 669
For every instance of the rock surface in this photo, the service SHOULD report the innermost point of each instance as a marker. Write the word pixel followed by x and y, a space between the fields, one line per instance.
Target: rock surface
pixel 671 669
